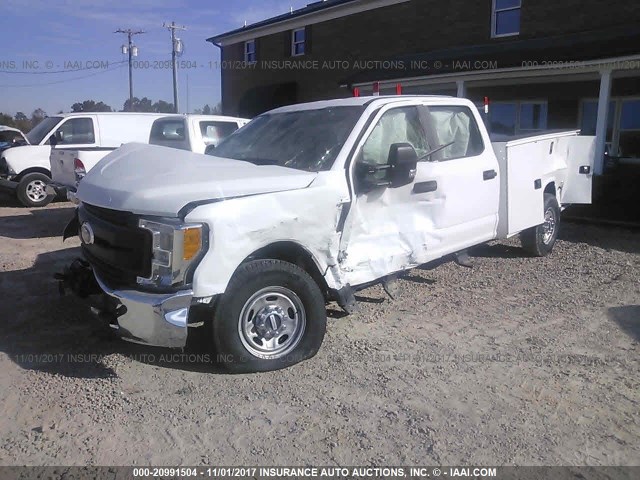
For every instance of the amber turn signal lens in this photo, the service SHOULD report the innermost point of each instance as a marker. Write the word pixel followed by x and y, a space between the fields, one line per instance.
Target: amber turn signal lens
pixel 192 243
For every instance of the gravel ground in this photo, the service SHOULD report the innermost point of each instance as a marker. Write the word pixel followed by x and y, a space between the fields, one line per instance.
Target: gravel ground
pixel 518 361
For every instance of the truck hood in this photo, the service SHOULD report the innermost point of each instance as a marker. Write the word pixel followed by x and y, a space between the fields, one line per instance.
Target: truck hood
pixel 160 181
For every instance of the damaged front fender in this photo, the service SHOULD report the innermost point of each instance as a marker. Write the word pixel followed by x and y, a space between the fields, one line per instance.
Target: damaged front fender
pixel 71 230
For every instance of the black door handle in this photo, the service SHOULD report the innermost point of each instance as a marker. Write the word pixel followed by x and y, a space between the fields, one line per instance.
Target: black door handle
pixel 489 174
pixel 425 187
pixel 585 170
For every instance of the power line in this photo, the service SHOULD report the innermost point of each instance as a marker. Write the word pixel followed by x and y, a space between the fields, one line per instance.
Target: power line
pixel 59 71
pixel 63 81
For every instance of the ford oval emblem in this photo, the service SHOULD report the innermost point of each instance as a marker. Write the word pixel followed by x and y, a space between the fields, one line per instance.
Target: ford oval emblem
pixel 86 234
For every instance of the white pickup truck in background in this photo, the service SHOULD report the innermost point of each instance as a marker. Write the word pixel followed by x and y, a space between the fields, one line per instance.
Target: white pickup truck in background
pixel 256 239
pixel 69 166
pixel 26 170
pixel 193 132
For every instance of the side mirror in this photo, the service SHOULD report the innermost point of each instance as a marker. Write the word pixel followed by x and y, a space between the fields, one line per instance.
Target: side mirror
pixel 403 162
pixel 209 149
pixel 399 170
pixel 53 140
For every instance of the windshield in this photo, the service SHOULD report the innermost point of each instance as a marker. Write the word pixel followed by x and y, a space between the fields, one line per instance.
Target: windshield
pixel 307 140
pixel 40 131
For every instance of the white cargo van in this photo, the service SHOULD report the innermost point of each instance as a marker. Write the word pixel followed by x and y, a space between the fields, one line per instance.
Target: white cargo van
pixel 26 169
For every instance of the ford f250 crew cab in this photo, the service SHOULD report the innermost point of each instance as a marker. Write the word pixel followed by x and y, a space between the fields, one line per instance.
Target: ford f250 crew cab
pixel 304 205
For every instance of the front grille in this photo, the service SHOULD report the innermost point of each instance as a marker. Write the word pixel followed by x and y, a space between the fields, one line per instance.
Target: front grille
pixel 121 251
pixel 4 168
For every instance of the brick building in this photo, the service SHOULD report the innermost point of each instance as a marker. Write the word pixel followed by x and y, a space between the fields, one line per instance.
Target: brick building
pixel 542 65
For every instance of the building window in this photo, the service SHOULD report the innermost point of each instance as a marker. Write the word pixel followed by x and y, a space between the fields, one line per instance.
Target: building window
pixel 623 125
pixel 250 51
pixel 502 118
pixel 298 41
pixel 532 116
pixel 506 18
pixel 589 118
pixel 513 118
pixel 629 139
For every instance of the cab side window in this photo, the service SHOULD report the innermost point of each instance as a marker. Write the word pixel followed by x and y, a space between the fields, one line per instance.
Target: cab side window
pixel 76 131
pixel 454 126
pixel 398 125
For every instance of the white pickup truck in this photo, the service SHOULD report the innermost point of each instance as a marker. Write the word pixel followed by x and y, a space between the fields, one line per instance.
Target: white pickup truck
pixel 304 205
pixel 193 132
pixel 186 132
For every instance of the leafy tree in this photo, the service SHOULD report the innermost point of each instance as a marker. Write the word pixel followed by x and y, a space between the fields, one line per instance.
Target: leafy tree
pixel 138 105
pixel 6 120
pixel 163 107
pixel 208 110
pixel 217 110
pixel 21 121
pixel 91 106
pixel 37 116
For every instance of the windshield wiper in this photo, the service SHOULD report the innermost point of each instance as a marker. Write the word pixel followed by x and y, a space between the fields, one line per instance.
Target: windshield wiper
pixel 435 150
pixel 261 161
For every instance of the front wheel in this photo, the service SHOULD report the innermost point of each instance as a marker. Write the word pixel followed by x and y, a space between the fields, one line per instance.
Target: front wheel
pixel 539 241
pixel 272 316
pixel 31 190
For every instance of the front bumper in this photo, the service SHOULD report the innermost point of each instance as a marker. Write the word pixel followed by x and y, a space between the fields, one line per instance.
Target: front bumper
pixel 7 183
pixel 57 189
pixel 147 318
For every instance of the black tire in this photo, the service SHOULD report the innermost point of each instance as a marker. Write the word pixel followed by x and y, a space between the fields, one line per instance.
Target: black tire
pixel 539 241
pixel 258 292
pixel 30 190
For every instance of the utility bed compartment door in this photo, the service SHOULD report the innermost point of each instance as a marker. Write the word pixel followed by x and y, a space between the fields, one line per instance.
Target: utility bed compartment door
pixel 580 158
pixel 525 168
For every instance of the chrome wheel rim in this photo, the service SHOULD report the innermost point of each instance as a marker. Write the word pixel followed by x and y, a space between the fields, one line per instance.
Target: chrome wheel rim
pixel 36 190
pixel 272 322
pixel 549 226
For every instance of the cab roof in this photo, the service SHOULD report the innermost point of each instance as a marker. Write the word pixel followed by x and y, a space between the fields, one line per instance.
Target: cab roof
pixel 359 102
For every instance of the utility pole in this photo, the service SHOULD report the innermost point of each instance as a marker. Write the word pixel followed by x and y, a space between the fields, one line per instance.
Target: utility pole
pixel 132 50
pixel 176 49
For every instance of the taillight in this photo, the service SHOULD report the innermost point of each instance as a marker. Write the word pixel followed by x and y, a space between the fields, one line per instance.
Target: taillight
pixel 79 169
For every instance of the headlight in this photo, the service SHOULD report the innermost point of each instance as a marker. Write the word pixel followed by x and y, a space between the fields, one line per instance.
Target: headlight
pixel 176 250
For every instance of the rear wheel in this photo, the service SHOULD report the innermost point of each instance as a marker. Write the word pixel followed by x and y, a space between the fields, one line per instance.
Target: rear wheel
pixel 272 316
pixel 539 241
pixel 31 190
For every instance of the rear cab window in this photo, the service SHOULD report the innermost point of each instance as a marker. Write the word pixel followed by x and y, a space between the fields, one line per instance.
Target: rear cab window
pixel 213 132
pixel 168 130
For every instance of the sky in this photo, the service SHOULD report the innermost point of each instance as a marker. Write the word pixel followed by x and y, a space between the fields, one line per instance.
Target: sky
pixel 44 41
